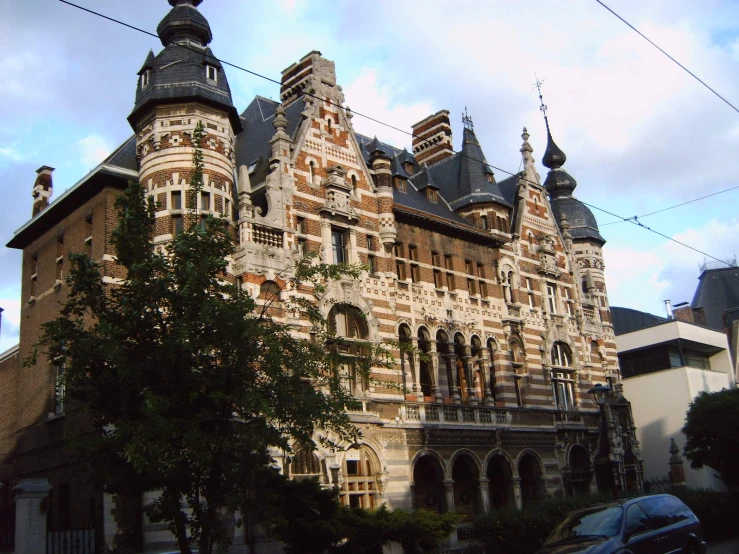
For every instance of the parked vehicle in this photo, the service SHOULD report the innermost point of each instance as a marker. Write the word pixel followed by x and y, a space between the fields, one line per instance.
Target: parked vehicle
pixel 654 524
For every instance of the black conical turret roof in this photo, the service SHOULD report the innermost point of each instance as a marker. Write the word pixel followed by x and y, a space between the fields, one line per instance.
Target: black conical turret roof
pixel 581 223
pixel 179 73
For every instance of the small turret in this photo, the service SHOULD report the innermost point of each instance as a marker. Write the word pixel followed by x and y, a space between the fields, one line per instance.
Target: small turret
pixel 42 189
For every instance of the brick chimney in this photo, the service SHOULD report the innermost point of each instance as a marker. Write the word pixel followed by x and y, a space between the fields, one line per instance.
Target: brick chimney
pixel 432 139
pixel 42 189
pixel 314 75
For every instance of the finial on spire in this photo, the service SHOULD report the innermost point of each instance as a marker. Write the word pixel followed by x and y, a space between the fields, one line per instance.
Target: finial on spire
pixel 280 122
pixel 542 105
pixel 467 120
pixel 529 171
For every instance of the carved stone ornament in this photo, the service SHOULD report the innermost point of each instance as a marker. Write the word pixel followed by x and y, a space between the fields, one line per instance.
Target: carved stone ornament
pixel 337 194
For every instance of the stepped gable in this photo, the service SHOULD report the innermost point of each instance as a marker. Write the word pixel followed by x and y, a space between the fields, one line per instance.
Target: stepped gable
pixel 252 144
pixel 178 73
pixel 560 185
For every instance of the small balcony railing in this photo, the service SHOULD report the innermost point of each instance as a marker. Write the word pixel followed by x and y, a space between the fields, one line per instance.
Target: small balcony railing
pixel 265 235
pixel 569 417
pixel 455 415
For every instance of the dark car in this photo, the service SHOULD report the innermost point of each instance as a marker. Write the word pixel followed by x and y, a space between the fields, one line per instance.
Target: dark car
pixel 654 524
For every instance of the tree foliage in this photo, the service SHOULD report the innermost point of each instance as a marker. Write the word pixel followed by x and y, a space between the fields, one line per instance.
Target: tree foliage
pixel 309 520
pixel 184 384
pixel 712 431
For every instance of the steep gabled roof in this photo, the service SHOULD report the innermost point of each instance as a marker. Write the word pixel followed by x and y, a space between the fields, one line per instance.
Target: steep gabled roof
pixel 717 291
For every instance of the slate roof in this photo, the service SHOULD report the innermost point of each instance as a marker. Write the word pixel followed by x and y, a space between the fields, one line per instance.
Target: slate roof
pixel 252 144
pixel 627 320
pixel 717 292
pixel 178 72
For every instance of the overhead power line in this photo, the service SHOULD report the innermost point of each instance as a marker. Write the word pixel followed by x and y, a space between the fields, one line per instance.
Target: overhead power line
pixel 693 75
pixel 188 47
pixel 635 217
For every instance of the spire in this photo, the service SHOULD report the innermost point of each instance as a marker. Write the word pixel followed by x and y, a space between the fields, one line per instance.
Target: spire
pixel 529 171
pixel 467 120
pixel 184 23
pixel 554 157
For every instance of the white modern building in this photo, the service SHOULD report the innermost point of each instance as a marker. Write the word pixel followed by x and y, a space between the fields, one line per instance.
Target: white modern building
pixel 665 364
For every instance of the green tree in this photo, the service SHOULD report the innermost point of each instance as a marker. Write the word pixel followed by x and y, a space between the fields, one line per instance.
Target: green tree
pixel 309 520
pixel 712 431
pixel 181 383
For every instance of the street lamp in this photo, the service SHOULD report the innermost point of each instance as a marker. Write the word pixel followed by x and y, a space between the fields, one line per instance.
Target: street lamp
pixel 603 470
pixel 600 392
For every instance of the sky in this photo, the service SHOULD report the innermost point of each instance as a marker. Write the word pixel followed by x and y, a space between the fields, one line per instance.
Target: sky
pixel 639 133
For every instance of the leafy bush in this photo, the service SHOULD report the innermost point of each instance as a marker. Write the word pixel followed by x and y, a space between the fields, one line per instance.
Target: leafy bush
pixel 715 510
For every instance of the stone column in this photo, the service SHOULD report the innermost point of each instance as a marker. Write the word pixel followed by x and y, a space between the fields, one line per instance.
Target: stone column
pixel 435 388
pixel 485 494
pixel 30 518
pixel 484 362
pixel 417 374
pixel 449 494
pixel 452 361
pixel 467 365
pixel 516 481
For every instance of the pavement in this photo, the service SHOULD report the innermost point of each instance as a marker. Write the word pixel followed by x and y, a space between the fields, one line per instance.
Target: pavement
pixel 729 546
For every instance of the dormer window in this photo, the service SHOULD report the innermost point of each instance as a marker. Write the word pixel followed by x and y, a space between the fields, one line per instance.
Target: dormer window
pixel 400 184
pixel 212 73
pixel 432 195
pixel 145 76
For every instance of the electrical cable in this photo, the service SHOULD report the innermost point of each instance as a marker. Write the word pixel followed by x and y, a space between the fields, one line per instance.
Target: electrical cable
pixel 630 220
pixel 693 75
pixel 672 207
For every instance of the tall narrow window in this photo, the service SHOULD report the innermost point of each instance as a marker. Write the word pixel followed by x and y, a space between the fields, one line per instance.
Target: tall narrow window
pixel 450 281
pixel 145 76
pixel 176 224
pixel 398 250
pixel 372 263
pixel 60 258
pixel 564 389
pixel 205 201
pixel 530 293
pixel 370 243
pixel 471 287
pixel 328 126
pixel 176 200
pixel 302 247
pixel 59 388
pixel 483 289
pixel 211 72
pixel 552 298
pixel 338 246
pixel 300 225
pixel 400 184
pixel 412 253
pixel 88 235
pixel 484 221
pixel 432 195
pixel 448 262
pixel 468 267
pixel 311 172
pixel 227 207
pixel 354 182
pixel 34 275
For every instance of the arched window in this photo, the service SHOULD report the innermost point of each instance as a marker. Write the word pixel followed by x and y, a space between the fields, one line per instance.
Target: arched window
pixel 269 291
pixel 492 349
pixel 426 377
pixel 517 360
pixel 348 327
pixel 563 381
pixel 305 462
pixel 359 489
pixel 561 355
pixel 354 182
pixel 311 172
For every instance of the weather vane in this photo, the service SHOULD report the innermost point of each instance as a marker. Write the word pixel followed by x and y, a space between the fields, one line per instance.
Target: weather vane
pixel 543 106
pixel 467 120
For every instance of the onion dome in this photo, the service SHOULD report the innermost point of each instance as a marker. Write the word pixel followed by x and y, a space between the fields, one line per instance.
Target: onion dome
pixel 184 22
pixel 186 70
pixel 574 217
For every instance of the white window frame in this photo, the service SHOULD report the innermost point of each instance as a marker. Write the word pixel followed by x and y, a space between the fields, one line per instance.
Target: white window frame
pixel 530 293
pixel 552 297
pixel 563 385
pixel 145 78
pixel 214 70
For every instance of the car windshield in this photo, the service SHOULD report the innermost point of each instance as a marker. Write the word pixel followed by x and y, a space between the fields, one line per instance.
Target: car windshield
pixel 604 522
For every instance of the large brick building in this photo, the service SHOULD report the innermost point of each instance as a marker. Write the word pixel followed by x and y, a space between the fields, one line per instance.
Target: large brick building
pixel 500 283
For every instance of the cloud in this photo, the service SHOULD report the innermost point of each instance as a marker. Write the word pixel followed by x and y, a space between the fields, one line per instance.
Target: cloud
pixel 93 150
pixel 11 318
pixel 364 95
pixel 12 154
pixel 644 278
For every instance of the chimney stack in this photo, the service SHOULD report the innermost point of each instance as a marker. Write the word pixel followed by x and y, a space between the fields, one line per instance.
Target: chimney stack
pixel 432 139
pixel 42 189
pixel 668 309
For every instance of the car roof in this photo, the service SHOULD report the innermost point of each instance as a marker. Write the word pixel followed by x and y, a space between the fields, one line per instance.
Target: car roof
pixel 621 502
